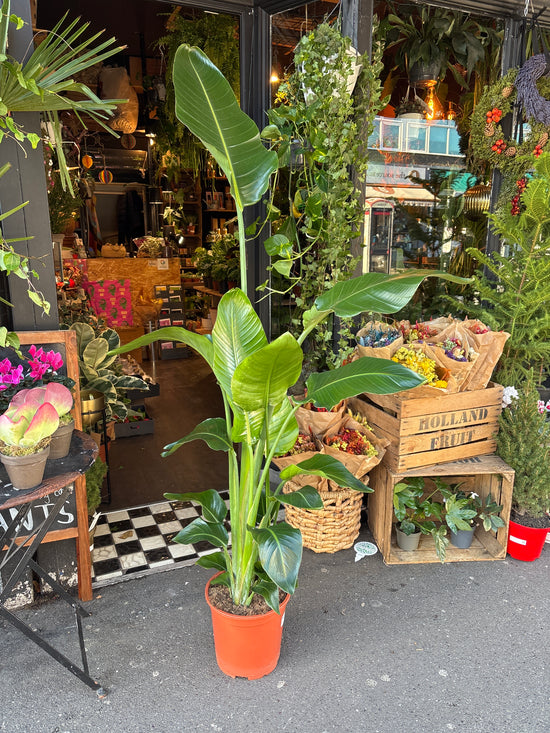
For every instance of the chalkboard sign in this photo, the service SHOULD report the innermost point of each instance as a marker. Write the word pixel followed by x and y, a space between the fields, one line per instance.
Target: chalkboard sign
pixel 66 518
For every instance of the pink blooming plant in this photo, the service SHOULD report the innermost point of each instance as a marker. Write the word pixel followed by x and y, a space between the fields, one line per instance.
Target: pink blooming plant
pixel 39 368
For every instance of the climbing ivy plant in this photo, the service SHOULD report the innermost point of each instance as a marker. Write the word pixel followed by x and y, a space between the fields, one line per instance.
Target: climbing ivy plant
pixel 218 37
pixel 319 129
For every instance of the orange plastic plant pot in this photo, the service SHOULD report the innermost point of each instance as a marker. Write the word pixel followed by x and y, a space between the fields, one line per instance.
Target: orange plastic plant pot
pixel 247 646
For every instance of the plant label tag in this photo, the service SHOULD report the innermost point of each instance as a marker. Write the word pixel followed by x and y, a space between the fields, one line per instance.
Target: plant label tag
pixel 363 549
pixel 517 540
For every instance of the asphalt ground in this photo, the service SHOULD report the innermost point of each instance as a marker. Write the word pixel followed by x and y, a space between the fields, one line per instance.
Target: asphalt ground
pixel 461 647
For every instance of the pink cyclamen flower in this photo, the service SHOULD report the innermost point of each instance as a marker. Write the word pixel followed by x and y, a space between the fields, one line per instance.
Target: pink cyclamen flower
pixel 5 366
pixel 14 376
pixel 38 369
pixel 54 359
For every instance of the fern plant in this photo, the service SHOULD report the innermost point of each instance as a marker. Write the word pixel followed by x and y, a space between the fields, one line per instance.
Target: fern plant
pixel 523 442
pixel 519 300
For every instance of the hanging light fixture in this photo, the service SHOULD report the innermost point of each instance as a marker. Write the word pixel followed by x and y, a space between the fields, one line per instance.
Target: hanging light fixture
pixel 435 108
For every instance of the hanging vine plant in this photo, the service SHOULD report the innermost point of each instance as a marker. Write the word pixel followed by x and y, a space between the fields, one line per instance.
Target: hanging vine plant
pixel 218 37
pixel 319 129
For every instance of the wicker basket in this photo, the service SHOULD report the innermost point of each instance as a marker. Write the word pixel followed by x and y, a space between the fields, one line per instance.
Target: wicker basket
pixel 333 528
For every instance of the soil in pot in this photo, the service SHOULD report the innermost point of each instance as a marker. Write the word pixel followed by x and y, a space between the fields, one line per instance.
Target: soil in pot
pixel 220 597
pixel 527 520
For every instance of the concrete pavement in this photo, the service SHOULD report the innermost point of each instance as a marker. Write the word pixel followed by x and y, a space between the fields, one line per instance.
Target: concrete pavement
pixel 420 648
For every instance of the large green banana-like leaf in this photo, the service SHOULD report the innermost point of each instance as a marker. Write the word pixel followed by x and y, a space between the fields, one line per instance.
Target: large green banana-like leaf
pixel 376 292
pixel 264 377
pixel 327 467
pixel 206 104
pixel 199 530
pixel 213 431
pixel 237 333
pixel 280 553
pixel 196 341
pixel 213 506
pixel 252 427
pixel 367 374
pixel 304 498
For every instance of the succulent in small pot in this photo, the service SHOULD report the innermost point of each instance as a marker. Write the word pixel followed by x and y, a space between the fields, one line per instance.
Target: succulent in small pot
pixel 62 400
pixel 25 430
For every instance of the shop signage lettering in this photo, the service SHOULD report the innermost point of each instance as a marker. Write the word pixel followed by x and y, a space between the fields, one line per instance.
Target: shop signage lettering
pixel 65 519
pixel 452 419
pixel 451 440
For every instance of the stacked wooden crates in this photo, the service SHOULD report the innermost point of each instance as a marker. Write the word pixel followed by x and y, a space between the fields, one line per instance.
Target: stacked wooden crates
pixel 452 436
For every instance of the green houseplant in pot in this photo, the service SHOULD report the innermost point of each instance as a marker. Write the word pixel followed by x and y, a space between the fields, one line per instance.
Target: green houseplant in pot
pixel 25 432
pixel 422 510
pixel 523 442
pixel 254 377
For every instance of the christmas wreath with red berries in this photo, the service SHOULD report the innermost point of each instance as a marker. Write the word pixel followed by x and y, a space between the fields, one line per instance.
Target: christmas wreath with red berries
pixel 490 144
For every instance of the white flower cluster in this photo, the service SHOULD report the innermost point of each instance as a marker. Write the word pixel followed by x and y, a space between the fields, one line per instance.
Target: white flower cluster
pixel 509 394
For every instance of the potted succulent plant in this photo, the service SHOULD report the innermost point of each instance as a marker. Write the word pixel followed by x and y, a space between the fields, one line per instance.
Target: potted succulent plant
pixel 62 400
pixel 523 442
pixel 25 432
pixel 259 570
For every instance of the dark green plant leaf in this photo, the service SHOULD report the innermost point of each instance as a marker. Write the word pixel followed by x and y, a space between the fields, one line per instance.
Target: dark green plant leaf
pixel 278 246
pixel 280 553
pixel 304 498
pixel 213 506
pixel 222 579
pixel 269 592
pixel 213 560
pixel 200 530
pixel 367 374
pixel 213 431
pixel 196 341
pixel 206 104
pixel 376 292
pixel 327 467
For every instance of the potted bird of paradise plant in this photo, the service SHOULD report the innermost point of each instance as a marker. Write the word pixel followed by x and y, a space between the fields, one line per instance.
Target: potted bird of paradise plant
pixel 257 566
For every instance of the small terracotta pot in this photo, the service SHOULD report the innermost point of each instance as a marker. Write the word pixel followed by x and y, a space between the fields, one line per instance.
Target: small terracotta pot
pixel 26 472
pixel 61 441
pixel 247 646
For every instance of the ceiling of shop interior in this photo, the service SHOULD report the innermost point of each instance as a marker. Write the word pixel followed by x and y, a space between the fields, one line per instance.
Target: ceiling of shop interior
pixel 500 8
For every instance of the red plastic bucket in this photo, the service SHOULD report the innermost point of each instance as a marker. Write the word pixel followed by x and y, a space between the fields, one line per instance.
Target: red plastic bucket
pixel 247 646
pixel 525 543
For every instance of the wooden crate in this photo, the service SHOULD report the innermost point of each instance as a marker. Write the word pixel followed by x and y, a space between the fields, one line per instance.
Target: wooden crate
pixel 424 431
pixel 482 474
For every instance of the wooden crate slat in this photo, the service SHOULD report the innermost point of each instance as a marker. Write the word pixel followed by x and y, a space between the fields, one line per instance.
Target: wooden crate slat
pixel 427 431
pixel 425 459
pixel 481 474
pixel 440 439
pixel 458 419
